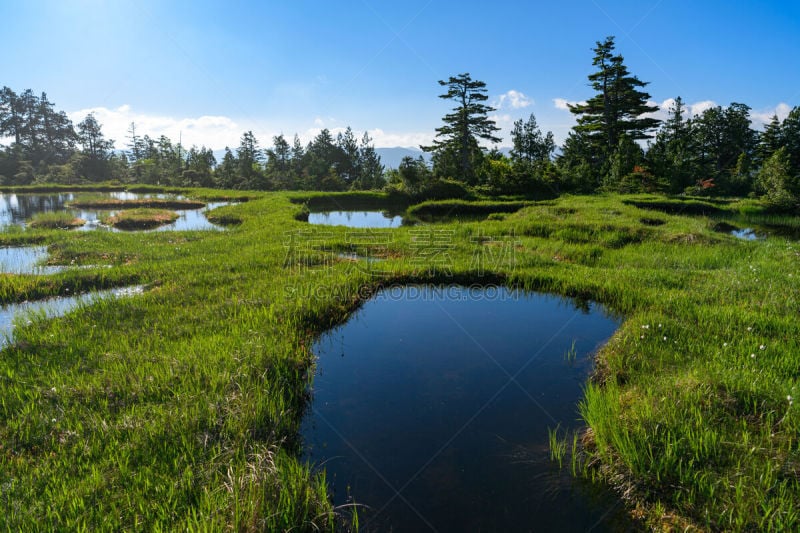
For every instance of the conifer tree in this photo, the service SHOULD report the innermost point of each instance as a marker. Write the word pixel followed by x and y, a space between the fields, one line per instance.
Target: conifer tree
pixel 456 149
pixel 790 138
pixel 617 109
pixel 671 156
pixel 530 145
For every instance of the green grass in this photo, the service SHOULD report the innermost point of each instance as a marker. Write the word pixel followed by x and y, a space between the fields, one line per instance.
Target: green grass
pixel 153 203
pixel 433 210
pixel 55 220
pixel 356 200
pixel 180 408
pixel 677 206
pixel 141 218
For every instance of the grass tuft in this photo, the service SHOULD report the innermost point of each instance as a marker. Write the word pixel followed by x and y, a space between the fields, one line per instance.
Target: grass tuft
pixel 57 220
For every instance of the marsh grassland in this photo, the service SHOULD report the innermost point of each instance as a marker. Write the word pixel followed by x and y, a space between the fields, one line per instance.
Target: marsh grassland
pixel 179 409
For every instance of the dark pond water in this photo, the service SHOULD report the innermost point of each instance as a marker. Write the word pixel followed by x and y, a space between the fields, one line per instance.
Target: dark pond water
pixel 16 209
pixel 356 219
pixel 431 407
pixel 52 307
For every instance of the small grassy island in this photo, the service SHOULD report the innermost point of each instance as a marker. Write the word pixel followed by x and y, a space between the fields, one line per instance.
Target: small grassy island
pixel 57 220
pixel 141 218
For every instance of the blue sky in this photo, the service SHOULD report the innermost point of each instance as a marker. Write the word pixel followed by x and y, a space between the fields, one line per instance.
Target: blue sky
pixel 210 70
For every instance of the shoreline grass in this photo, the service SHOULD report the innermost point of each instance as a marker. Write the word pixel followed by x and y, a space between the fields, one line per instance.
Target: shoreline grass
pixel 180 408
pixel 152 203
pixel 442 210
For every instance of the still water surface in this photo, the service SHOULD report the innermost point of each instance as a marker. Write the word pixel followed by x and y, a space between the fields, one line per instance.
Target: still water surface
pixel 17 209
pixel 26 260
pixel 431 407
pixel 356 219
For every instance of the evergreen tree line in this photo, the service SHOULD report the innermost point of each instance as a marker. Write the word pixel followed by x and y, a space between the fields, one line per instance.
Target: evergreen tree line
pixel 46 147
pixel 325 164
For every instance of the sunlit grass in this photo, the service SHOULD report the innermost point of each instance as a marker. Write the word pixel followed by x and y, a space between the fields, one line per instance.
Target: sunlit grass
pixel 140 218
pixel 56 220
pixel 180 408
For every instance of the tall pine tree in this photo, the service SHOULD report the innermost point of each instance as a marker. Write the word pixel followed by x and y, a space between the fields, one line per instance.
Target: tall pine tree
pixel 530 145
pixel 616 110
pixel 456 150
pixel 671 157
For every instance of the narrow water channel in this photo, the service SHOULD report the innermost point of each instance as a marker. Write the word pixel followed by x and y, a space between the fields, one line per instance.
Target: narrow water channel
pixel 431 408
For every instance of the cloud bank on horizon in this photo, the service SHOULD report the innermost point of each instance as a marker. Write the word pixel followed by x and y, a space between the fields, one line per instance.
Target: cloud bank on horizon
pixel 217 131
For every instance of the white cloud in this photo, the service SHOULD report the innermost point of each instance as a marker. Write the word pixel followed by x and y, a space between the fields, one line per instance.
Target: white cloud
pixel 699 107
pixel 763 117
pixel 563 104
pixel 217 132
pixel 512 99
pixel 382 139
pixel 214 132
pixel 662 113
pixel 504 121
pixel 759 118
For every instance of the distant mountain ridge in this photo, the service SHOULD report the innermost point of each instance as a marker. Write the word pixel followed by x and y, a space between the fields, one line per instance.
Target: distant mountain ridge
pixel 391 157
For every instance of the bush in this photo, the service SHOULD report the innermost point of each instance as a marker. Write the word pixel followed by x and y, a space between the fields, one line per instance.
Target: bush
pixel 781 190
pixel 439 209
pixel 445 190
